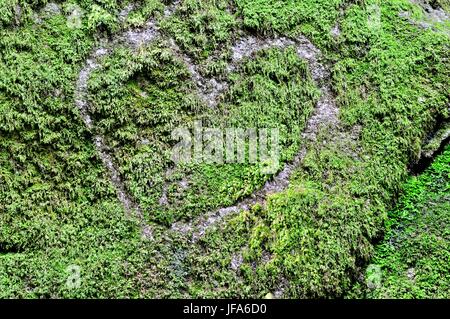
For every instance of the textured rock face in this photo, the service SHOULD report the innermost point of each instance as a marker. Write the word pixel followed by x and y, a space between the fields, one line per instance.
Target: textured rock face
pixel 209 89
pixel 104 194
pixel 434 12
pixel 432 16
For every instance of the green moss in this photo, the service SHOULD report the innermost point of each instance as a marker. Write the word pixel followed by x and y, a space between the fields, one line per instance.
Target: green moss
pixel 201 26
pixel 414 256
pixel 58 207
pixel 146 97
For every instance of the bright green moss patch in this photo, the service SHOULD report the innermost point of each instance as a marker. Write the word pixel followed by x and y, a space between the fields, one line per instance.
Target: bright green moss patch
pixel 202 26
pixel 143 13
pixel 414 256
